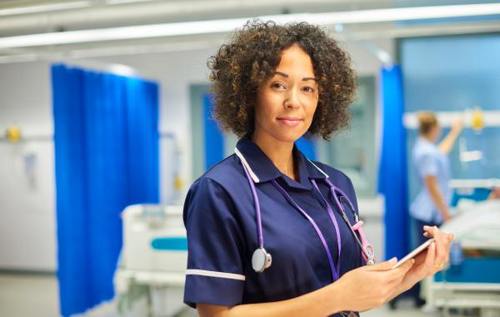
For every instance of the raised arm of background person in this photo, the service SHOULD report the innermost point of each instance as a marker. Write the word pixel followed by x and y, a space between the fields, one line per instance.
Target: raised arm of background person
pixel 447 144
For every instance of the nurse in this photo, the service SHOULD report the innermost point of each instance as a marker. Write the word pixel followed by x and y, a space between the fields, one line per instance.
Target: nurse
pixel 431 205
pixel 271 233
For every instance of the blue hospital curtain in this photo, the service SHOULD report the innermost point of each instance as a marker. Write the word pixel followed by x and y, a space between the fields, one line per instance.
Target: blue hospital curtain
pixel 307 147
pixel 392 176
pixel 213 136
pixel 106 157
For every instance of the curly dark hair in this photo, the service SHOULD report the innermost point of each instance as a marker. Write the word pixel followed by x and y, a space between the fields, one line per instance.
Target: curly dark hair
pixel 251 57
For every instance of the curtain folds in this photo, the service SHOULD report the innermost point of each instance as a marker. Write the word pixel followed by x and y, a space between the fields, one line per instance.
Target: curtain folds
pixel 106 157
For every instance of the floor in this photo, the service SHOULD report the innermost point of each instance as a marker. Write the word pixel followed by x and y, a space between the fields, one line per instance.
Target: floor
pixel 24 295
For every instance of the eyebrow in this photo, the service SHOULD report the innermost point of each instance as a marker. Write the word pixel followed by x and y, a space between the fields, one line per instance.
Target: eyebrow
pixel 286 76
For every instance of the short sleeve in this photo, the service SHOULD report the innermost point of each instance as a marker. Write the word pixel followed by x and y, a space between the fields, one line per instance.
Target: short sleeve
pixel 427 165
pixel 214 272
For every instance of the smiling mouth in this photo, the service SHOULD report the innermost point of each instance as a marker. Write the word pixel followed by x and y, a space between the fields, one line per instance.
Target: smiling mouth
pixel 290 121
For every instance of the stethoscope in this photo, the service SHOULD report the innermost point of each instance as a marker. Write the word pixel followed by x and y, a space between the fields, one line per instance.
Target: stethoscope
pixel 261 259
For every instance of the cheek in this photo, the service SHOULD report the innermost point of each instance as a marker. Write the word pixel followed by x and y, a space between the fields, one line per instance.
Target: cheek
pixel 268 106
pixel 311 110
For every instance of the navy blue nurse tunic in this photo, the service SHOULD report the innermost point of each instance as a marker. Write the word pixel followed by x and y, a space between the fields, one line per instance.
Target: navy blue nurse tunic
pixel 219 215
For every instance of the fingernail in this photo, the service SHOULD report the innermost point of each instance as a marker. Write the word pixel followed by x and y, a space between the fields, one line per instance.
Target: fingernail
pixel 394 259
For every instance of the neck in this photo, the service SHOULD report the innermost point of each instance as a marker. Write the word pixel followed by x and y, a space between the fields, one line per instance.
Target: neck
pixel 427 137
pixel 280 153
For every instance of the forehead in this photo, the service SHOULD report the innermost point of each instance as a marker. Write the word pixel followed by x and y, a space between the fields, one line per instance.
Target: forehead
pixel 295 60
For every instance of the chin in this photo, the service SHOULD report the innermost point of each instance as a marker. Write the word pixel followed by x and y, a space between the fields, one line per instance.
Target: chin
pixel 288 137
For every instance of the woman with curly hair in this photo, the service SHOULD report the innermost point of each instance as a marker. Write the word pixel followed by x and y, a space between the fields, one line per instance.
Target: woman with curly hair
pixel 271 233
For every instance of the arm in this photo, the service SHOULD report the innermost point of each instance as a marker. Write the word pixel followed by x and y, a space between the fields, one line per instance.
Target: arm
pixel 354 291
pixel 447 144
pixel 495 193
pixel 436 196
pixel 321 302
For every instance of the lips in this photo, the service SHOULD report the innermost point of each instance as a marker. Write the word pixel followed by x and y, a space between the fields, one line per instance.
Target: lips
pixel 289 121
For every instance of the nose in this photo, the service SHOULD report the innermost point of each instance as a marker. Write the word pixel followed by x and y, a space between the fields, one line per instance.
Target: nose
pixel 292 99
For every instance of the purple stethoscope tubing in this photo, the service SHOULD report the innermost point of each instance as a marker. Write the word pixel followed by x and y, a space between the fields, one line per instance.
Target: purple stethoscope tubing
pixel 262 264
pixel 333 189
pixel 334 269
pixel 257 208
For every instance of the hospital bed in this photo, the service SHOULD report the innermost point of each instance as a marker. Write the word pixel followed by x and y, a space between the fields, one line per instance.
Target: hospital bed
pixel 472 279
pixel 153 261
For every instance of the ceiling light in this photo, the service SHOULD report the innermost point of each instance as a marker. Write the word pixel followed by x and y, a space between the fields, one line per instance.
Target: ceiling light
pixel 44 8
pixel 229 25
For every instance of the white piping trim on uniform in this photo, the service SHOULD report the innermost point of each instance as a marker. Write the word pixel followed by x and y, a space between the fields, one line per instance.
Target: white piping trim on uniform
pixel 319 169
pixel 245 163
pixel 231 276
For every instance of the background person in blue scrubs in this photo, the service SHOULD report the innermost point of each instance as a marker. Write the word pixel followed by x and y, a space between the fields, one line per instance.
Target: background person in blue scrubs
pixel 272 85
pixel 431 206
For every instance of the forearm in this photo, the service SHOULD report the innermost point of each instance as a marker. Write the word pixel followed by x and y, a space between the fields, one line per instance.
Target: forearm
pixel 322 302
pixel 447 144
pixel 437 196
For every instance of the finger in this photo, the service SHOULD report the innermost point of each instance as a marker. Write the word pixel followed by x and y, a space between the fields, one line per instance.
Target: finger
pixel 420 258
pixel 431 230
pixel 430 259
pixel 397 274
pixel 383 266
pixel 403 269
pixel 442 249
pixel 451 236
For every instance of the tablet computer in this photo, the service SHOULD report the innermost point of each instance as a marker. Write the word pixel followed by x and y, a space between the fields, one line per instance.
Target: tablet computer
pixel 413 253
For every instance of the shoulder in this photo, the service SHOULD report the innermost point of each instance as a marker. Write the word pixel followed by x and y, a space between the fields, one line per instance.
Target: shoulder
pixel 425 149
pixel 227 175
pixel 427 154
pixel 218 184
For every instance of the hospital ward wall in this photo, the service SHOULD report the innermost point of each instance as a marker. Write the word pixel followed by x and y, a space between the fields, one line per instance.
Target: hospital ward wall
pixel 27 225
pixel 27 184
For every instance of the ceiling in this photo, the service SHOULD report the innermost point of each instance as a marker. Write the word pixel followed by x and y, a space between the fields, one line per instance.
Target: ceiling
pixel 90 28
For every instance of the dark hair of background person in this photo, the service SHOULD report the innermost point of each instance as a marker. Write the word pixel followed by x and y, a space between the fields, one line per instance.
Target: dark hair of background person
pixel 426 122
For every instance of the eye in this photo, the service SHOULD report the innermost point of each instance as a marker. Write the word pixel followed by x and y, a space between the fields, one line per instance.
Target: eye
pixel 278 85
pixel 309 89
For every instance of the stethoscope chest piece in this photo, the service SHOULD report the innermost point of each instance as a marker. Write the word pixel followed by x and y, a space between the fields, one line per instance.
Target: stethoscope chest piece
pixel 261 260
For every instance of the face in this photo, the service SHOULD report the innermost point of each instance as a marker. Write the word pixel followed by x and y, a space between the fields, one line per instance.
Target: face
pixel 287 101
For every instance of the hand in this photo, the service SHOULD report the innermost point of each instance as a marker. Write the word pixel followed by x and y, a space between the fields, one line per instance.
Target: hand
pixel 370 286
pixel 446 217
pixel 495 193
pixel 433 260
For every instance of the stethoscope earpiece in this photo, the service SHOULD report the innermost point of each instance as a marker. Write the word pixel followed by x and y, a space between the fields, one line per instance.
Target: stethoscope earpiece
pixel 261 260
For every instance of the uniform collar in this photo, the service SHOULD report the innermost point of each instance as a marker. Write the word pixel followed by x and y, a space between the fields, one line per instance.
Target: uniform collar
pixel 426 141
pixel 262 169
